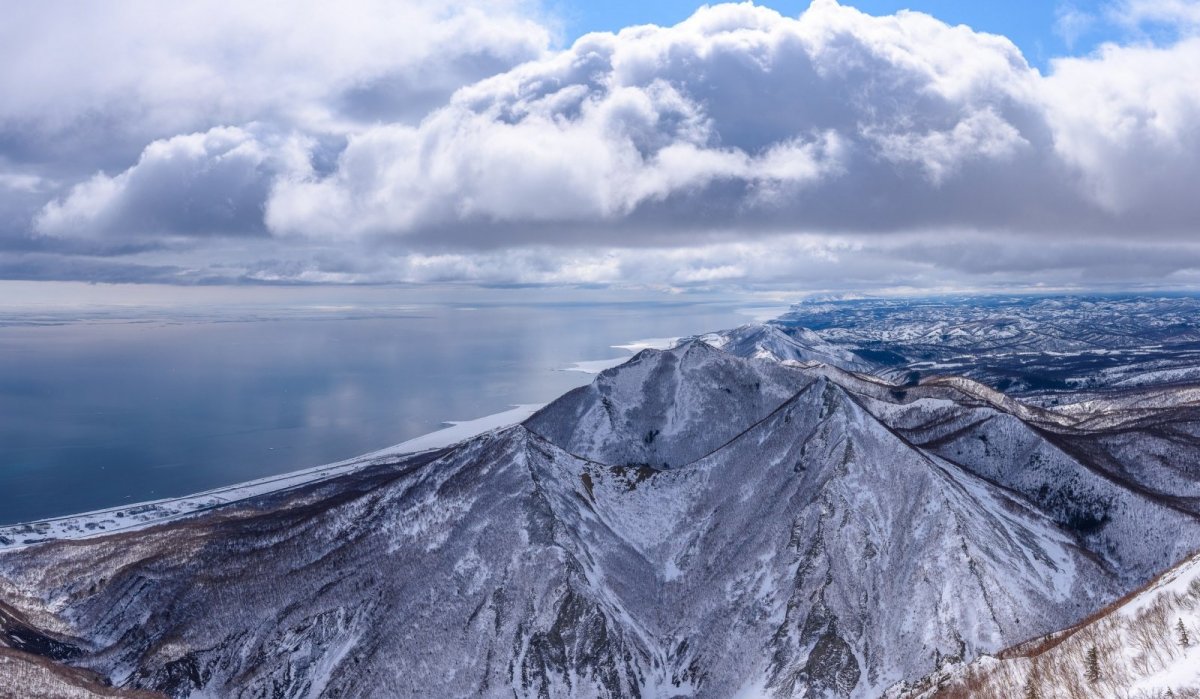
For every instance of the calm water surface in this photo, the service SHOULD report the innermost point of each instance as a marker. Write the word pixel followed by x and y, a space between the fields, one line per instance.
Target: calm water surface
pixel 103 410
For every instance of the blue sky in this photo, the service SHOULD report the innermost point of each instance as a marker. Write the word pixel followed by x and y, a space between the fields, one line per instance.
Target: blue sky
pixel 1033 25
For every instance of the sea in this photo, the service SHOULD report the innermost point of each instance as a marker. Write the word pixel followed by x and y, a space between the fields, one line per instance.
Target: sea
pixel 114 403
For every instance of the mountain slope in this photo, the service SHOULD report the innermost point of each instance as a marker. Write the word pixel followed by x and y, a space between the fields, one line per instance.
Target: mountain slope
pixel 666 408
pixel 804 518
pixel 37 678
pixel 1145 646
pixel 693 523
pixel 780 343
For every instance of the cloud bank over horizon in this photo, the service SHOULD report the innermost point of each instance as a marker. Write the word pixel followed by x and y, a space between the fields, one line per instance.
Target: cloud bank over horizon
pixel 424 142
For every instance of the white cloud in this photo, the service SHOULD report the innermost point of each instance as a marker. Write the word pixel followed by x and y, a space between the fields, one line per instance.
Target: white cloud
pixel 21 182
pixel 738 109
pixel 1185 14
pixel 410 141
pixel 87 81
pixel 1128 122
pixel 1072 23
pixel 982 135
pixel 209 183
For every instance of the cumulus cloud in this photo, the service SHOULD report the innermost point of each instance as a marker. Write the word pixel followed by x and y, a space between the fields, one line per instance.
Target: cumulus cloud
pixel 737 117
pixel 1127 122
pixel 211 183
pixel 740 120
pixel 93 82
pixel 91 87
pixel 425 142
pixel 982 134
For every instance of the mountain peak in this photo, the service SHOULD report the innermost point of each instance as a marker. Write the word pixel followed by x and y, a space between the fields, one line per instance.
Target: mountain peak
pixel 692 523
pixel 784 343
pixel 666 408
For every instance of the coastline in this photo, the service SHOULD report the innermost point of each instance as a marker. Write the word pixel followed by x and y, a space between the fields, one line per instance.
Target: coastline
pixel 133 516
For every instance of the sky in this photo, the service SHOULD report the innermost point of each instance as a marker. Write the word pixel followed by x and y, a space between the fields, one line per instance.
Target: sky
pixel 1042 29
pixel 872 145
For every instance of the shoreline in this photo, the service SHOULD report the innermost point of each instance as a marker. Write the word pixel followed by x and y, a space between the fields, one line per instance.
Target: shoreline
pixel 138 515
pixel 134 516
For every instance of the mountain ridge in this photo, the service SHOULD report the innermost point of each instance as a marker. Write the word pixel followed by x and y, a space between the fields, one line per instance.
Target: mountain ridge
pixel 692 523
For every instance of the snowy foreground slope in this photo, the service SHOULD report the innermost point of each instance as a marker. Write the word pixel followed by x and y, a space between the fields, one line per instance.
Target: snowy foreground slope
pixel 693 523
pixel 1147 646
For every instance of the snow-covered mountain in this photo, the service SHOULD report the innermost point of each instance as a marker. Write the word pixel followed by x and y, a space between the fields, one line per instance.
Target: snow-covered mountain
pixel 793 343
pixel 1034 347
pixel 1147 646
pixel 693 523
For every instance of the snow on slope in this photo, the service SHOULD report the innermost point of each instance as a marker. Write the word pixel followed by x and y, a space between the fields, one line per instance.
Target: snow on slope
pixel 769 341
pixel 694 523
pixel 667 408
pixel 138 515
pixel 38 679
pixel 595 366
pixel 1145 647
pixel 804 514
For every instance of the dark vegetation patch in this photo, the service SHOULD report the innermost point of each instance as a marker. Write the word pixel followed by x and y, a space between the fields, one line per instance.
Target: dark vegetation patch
pixel 15 633
pixel 632 475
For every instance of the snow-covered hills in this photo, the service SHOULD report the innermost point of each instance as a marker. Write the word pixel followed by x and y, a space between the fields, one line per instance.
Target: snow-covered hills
pixel 693 523
pixel 1035 347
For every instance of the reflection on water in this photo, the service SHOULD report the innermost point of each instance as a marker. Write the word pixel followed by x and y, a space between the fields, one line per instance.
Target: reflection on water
pixel 104 411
